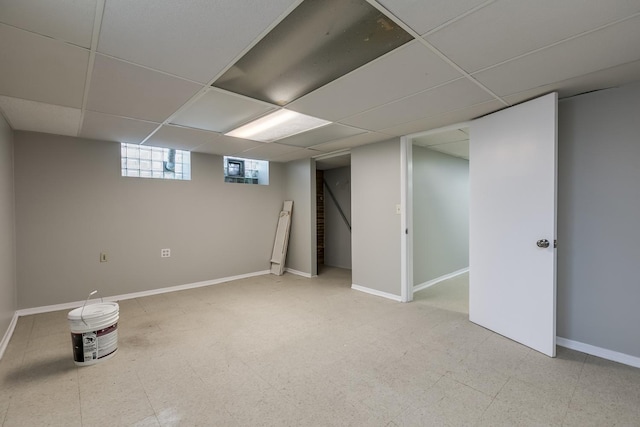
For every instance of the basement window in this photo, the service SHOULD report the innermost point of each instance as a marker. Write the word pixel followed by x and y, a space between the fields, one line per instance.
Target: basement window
pixel 246 171
pixel 144 161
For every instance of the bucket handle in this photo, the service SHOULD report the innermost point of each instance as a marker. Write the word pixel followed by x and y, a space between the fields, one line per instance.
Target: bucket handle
pixel 85 303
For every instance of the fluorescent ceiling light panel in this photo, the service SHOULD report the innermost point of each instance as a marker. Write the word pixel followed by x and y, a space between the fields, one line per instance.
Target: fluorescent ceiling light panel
pixel 278 125
pixel 319 41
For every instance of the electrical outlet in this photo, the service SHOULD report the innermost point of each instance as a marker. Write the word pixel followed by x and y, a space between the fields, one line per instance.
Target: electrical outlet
pixel 165 253
pixel 103 257
pixel 398 211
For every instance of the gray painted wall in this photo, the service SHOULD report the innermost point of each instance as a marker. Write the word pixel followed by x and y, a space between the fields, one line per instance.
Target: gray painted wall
pixel 300 187
pixel 440 214
pixel 8 290
pixel 598 219
pixel 337 237
pixel 72 204
pixel 375 237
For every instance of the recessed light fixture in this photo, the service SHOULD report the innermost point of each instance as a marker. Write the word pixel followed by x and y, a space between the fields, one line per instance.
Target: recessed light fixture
pixel 278 125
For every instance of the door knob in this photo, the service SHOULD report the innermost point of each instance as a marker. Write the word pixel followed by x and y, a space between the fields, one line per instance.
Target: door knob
pixel 543 243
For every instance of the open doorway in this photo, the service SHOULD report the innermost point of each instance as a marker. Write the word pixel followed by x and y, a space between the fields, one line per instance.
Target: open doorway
pixel 440 212
pixel 512 221
pixel 333 211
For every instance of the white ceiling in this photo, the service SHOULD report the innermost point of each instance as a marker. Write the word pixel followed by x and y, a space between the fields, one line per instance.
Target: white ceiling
pixel 140 71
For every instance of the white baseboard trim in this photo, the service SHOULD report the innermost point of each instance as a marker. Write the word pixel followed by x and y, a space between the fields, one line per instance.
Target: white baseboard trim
pixel 376 292
pixel 437 280
pixel 298 273
pixel 599 351
pixel 7 335
pixel 75 304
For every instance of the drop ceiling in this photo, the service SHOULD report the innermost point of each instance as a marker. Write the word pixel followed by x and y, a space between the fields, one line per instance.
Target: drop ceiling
pixel 142 71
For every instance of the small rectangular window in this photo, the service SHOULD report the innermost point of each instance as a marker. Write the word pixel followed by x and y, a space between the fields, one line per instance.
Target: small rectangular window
pixel 246 171
pixel 144 161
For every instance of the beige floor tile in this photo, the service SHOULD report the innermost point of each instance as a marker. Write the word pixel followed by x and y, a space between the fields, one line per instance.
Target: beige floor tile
pixel 558 374
pixel 478 376
pixel 447 403
pixel 287 350
pixel 500 414
pixel 534 403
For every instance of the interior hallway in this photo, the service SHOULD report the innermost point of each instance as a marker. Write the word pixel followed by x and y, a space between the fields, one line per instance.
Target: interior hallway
pixel 293 351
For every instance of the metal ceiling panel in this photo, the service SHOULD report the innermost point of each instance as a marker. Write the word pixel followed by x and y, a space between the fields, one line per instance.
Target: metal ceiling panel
pixel 316 43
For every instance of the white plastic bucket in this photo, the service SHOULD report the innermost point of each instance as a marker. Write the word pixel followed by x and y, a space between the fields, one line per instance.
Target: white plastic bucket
pixel 94 332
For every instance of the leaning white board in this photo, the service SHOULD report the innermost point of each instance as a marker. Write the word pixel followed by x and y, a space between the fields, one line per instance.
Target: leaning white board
pixel 279 254
pixel 512 176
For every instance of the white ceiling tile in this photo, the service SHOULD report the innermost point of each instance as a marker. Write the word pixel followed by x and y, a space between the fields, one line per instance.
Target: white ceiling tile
pixel 350 142
pixel 303 153
pixel 225 145
pixel 506 29
pixel 41 69
pixel 267 151
pixel 602 79
pixel 452 96
pixel 68 20
pixel 456 149
pixel 124 89
pixel 446 119
pixel 406 70
pixel 222 111
pixel 194 40
pixel 334 162
pixel 611 46
pixel 444 137
pixel 320 135
pixel 112 128
pixel 40 117
pixel 179 138
pixel 423 16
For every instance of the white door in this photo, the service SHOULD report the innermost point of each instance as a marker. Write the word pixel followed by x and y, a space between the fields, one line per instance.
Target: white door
pixel 512 217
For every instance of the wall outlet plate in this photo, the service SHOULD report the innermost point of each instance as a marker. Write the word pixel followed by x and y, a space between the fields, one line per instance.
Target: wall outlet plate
pixel 165 253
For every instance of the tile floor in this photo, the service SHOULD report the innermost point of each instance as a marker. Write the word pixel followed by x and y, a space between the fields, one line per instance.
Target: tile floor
pixel 290 351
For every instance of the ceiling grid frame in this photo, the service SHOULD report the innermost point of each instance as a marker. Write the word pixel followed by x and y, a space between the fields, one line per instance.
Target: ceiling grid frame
pixel 97 24
pixel 59 25
pixel 431 47
pixel 559 42
pixel 202 91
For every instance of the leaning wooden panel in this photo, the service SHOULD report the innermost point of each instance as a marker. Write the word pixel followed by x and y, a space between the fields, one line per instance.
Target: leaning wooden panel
pixel 279 254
